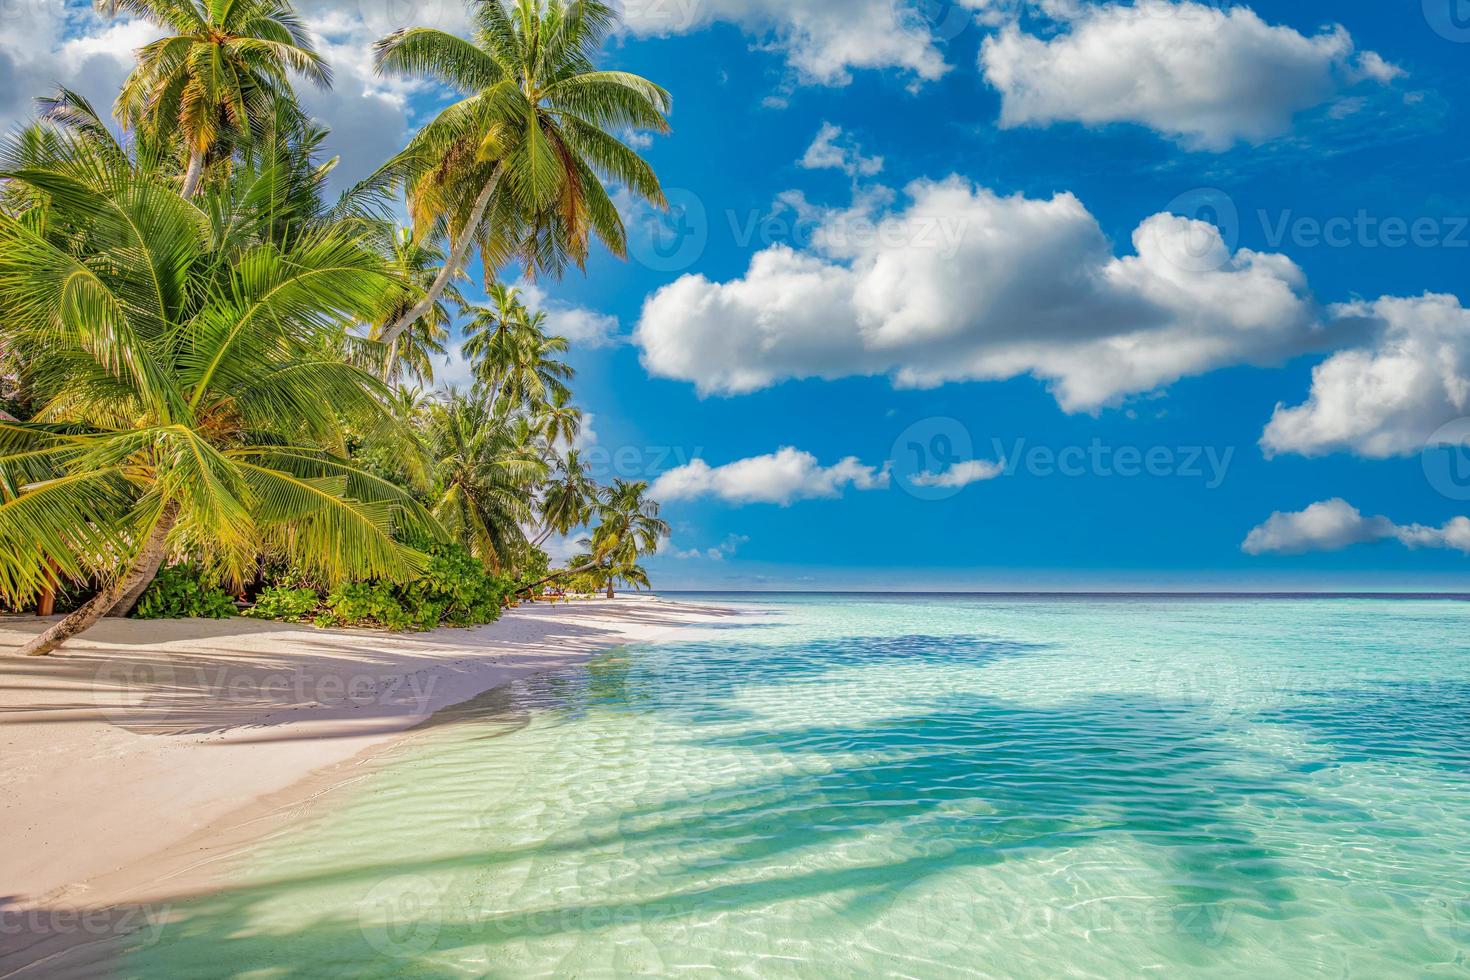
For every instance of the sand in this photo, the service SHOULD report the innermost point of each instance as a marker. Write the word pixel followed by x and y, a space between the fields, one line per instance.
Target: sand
pixel 129 745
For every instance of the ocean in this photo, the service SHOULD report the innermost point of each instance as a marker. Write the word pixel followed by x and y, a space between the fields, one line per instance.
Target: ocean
pixel 907 786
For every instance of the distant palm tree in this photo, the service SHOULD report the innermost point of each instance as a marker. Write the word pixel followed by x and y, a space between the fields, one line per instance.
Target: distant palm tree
pixel 189 406
pixel 413 352
pixel 629 527
pixel 219 70
pixel 485 477
pixel 561 421
pixel 517 166
pixel 516 364
pixel 568 500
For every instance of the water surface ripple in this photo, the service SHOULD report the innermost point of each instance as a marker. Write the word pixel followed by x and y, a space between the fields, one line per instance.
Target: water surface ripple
pixel 930 787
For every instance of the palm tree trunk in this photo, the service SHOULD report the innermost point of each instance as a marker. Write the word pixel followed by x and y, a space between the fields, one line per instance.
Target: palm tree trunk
pixel 142 570
pixel 129 599
pixel 195 171
pixel 610 593
pixel 556 575
pixel 451 267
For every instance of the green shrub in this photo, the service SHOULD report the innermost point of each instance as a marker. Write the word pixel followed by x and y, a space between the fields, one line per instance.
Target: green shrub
pixel 180 592
pixel 453 590
pixel 285 605
pixel 367 604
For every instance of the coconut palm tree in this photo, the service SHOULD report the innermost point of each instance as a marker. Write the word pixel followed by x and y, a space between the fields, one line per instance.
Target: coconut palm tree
pixel 517 166
pixel 516 364
pixel 629 527
pixel 485 477
pixel 568 499
pixel 561 421
pixel 412 353
pixel 217 72
pixel 190 404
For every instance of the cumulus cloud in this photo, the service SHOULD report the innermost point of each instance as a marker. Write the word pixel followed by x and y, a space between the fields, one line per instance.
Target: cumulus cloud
pixel 582 326
pixel 960 475
pixel 781 477
pixel 964 284
pixel 823 40
pixel 1205 76
pixel 831 151
pixel 46 44
pixel 58 43
pixel 1387 398
pixel 719 552
pixel 1333 525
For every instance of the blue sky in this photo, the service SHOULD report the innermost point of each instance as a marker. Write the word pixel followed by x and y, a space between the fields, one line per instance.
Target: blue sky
pixel 1002 301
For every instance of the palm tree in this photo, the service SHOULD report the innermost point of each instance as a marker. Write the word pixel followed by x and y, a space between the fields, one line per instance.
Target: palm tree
pixel 568 499
pixel 607 577
pixel 217 72
pixel 189 404
pixel 629 528
pixel 561 421
pixel 517 166
pixel 485 477
pixel 535 374
pixel 412 353
pixel 493 330
pixel 516 363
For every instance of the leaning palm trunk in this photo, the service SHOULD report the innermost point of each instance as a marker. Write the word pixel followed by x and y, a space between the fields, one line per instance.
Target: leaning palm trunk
pixel 129 600
pixel 556 575
pixel 139 574
pixel 195 171
pixel 451 268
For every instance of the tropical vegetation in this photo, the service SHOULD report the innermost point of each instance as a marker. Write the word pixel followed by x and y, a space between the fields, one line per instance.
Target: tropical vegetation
pixel 214 371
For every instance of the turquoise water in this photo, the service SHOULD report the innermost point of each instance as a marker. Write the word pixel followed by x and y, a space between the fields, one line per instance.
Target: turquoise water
pixel 925 787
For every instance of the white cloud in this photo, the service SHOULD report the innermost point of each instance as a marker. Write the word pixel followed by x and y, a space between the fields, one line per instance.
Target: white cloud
pixel 46 44
pixel 561 549
pixel 586 435
pixel 583 327
pixel 964 284
pixel 1386 399
pixel 960 475
pixel 1333 525
pixel 829 151
pixel 1327 526
pixel 725 549
pixel 823 40
pixel 51 42
pixel 1204 76
pixel 781 478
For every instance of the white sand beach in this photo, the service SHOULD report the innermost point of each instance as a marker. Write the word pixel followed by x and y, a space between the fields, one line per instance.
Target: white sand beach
pixel 136 739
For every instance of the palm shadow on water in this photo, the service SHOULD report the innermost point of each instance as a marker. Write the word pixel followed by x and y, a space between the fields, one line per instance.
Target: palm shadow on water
pixel 962 781
pixel 1397 721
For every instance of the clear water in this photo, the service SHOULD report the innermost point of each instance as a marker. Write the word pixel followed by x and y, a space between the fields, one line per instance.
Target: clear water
pixel 923 787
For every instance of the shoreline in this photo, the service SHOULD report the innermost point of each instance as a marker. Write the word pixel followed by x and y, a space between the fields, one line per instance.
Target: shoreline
pixel 144 746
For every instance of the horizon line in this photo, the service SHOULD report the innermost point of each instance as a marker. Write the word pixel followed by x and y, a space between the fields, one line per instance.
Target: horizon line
pixel 1087 594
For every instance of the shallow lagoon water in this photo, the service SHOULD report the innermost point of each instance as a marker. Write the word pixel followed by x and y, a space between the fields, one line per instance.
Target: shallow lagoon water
pixel 916 786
